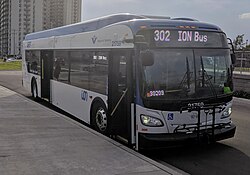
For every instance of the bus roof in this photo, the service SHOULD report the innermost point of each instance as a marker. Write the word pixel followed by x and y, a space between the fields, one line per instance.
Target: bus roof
pixel 85 26
pixel 137 20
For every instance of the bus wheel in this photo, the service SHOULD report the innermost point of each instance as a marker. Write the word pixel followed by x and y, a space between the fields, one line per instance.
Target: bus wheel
pixel 34 90
pixel 99 118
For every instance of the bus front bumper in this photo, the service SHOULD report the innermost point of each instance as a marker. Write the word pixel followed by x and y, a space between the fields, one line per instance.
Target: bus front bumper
pixel 155 141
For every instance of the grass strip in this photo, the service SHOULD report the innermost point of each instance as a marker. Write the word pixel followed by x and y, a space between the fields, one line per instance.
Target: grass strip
pixel 13 65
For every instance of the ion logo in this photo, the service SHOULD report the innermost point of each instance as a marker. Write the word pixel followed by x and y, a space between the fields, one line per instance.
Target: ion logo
pixel 170 116
pixel 84 95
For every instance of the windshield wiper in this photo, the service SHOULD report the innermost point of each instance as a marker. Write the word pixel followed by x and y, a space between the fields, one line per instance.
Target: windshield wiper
pixel 208 79
pixel 187 76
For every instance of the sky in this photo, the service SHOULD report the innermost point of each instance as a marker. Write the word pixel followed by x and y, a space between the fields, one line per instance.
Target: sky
pixel 233 16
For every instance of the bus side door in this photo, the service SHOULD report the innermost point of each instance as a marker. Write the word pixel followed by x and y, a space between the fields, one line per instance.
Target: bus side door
pixel 46 73
pixel 119 95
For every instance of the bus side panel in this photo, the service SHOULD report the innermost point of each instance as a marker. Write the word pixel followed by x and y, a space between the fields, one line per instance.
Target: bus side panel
pixel 73 100
pixel 27 78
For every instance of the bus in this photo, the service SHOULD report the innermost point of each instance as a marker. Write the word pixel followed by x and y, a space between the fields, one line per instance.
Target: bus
pixel 148 81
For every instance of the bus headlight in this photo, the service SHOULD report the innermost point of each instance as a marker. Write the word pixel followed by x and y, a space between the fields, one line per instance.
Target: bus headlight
pixel 226 113
pixel 151 121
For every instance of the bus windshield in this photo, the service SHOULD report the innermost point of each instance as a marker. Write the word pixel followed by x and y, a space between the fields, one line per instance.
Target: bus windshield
pixel 181 74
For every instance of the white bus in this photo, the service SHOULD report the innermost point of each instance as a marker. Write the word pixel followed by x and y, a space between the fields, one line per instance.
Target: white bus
pixel 148 81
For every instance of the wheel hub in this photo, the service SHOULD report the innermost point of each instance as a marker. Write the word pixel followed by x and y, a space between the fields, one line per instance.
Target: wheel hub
pixel 101 119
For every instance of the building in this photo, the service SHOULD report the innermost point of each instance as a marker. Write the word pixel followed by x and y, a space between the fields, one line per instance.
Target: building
pixel 74 12
pixel 8 26
pixel 4 21
pixel 61 12
pixel 27 16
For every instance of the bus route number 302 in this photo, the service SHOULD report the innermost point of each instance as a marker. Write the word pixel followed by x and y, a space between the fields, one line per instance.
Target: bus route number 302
pixel 162 35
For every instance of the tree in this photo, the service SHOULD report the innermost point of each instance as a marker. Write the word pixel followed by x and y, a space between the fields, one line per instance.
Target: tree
pixel 248 47
pixel 239 42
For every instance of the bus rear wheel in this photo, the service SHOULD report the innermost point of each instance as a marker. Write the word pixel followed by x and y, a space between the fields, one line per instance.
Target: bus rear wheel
pixel 100 118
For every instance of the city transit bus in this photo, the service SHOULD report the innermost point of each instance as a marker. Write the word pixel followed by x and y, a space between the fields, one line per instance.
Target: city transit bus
pixel 147 81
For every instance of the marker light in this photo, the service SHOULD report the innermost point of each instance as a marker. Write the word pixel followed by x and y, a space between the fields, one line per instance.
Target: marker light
pixel 143 27
pixel 151 121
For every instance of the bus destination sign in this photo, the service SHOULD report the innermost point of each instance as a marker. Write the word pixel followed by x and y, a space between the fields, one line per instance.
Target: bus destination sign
pixel 187 38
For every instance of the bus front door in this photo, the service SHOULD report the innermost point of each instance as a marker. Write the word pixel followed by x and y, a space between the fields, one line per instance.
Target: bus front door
pixel 46 73
pixel 119 98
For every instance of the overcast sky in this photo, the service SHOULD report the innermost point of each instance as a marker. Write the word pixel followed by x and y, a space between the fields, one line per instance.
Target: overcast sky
pixel 233 16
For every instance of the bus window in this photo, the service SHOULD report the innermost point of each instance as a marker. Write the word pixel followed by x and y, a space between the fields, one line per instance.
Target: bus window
pixel 61 66
pixel 33 62
pixel 99 72
pixel 79 69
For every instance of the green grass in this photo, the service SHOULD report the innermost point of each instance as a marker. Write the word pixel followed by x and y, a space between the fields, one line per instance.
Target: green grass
pixel 14 65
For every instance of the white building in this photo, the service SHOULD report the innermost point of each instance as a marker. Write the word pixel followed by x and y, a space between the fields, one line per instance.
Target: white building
pixel 20 17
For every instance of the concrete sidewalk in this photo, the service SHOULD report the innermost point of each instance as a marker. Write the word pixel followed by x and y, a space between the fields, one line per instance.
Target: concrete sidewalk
pixel 35 140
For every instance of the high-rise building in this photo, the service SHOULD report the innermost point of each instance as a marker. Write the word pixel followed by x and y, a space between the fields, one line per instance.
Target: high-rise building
pixel 4 24
pixel 61 12
pixel 8 26
pixel 73 8
pixel 20 17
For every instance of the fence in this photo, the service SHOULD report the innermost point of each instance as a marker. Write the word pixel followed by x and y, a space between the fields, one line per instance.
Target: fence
pixel 242 61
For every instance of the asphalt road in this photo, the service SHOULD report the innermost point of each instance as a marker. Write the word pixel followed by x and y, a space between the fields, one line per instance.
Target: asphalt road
pixel 227 157
pixel 13 80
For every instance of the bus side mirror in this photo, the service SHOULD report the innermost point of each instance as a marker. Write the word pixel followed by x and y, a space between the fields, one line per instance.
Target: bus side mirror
pixel 147 58
pixel 233 58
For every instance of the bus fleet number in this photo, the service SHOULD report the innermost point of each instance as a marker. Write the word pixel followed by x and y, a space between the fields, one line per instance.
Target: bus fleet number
pixel 162 35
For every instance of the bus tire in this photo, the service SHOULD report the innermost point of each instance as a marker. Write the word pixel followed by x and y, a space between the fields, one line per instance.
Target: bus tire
pixel 99 117
pixel 34 90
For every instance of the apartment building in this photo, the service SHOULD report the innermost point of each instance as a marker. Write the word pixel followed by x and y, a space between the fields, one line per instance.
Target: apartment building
pixel 8 26
pixel 4 21
pixel 20 17
pixel 74 12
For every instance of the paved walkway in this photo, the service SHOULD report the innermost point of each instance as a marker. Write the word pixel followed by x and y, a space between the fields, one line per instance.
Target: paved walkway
pixel 35 140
